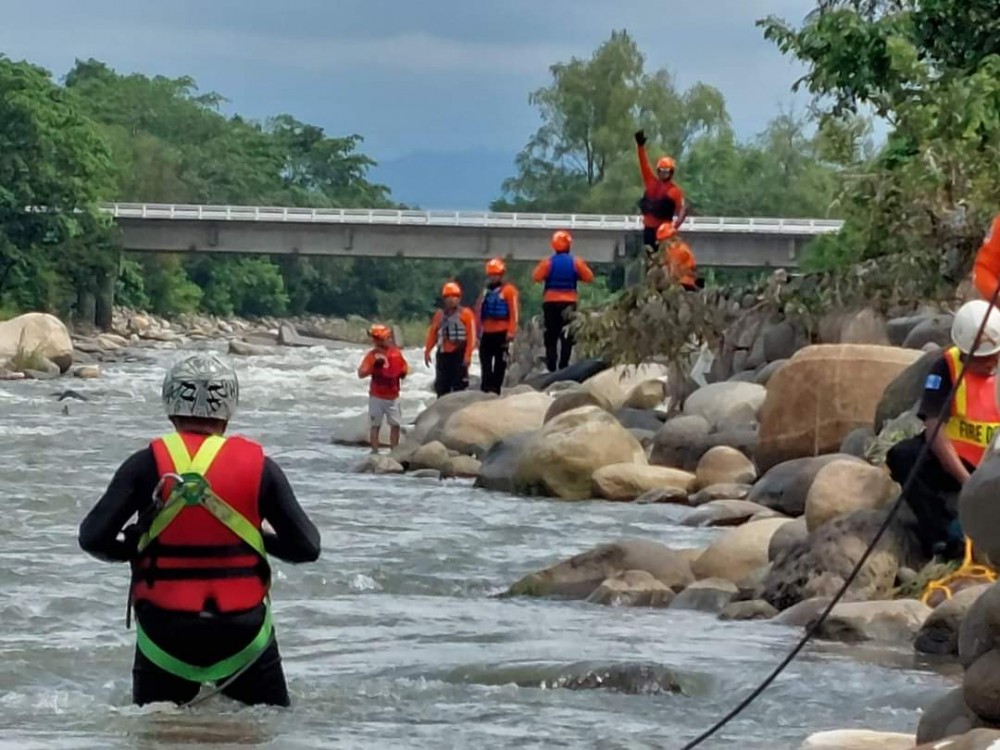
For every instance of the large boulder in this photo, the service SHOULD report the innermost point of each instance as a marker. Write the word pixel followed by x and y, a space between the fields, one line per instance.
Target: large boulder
pixel 819 566
pixel 637 419
pixel 977 739
pixel 574 399
pixel 726 403
pixel 979 510
pixel 738 552
pixel 935 329
pixel 499 464
pixel 616 383
pixel 724 465
pixel 821 394
pixel 980 630
pixel 579 576
pixel 649 394
pixel 354 430
pixel 465 467
pixel 561 458
pixel 948 716
pixel 672 446
pixel 981 686
pixel 785 487
pixel 240 348
pixel 36 335
pixel 939 634
pixel 434 416
pixel 474 429
pixel 433 455
pixel 842 487
pixel 787 537
pixel 905 390
pixel 897 621
pixel 632 588
pixel 627 481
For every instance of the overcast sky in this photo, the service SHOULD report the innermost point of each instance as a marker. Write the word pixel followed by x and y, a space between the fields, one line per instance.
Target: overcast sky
pixel 413 76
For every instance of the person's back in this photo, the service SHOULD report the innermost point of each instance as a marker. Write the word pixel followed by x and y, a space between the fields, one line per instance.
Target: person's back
pixel 199 555
pixel 561 273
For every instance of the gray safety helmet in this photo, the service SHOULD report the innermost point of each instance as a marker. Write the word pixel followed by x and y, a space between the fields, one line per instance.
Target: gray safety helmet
pixel 201 385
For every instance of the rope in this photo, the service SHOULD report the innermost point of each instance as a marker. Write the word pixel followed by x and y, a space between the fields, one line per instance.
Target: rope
pixel 814 628
pixel 229 680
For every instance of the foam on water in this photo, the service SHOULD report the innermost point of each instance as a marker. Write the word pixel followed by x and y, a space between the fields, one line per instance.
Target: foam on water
pixel 393 639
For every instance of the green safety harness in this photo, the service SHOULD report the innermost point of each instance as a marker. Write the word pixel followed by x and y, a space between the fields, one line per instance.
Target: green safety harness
pixel 192 489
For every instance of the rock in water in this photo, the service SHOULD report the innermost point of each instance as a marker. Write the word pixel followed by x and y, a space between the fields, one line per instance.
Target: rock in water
pixel 709 595
pixel 822 394
pixel 724 513
pixel 858 739
pixel 579 576
pixel 476 427
pixel 939 634
pixel 37 333
pixel 561 458
pixel 464 467
pixel 430 421
pixel 630 679
pixel 431 456
pixel 632 588
pixel 626 482
pixel 496 472
pixel 948 716
pixel 755 609
pixel 379 464
pixel 724 465
pixel 738 552
pixel 893 621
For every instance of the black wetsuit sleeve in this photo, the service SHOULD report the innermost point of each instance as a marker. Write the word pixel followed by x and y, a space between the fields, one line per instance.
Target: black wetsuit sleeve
pixel 129 493
pixel 937 386
pixel 296 538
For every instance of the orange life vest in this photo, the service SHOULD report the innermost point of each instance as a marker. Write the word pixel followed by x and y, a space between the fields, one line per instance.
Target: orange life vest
pixel 975 416
pixel 196 561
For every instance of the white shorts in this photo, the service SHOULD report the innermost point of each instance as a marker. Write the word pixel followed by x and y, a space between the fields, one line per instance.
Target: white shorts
pixel 383 408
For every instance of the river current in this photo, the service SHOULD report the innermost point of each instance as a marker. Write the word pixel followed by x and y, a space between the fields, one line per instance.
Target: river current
pixel 393 639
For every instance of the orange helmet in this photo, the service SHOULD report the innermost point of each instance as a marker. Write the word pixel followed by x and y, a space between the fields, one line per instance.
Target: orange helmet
pixel 451 289
pixel 666 163
pixel 561 241
pixel 666 231
pixel 496 267
pixel 380 332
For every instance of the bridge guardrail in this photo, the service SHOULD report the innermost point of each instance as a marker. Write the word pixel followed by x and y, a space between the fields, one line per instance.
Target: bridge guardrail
pixel 482 219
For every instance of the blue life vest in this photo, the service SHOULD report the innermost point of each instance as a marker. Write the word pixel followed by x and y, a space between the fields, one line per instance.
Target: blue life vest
pixel 562 273
pixel 495 307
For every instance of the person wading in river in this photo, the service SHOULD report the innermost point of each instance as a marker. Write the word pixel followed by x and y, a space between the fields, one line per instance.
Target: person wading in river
pixel 498 314
pixel 561 273
pixel 453 332
pixel 200 575
pixel 386 366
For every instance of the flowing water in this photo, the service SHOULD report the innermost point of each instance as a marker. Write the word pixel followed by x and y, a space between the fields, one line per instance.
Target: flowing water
pixel 393 639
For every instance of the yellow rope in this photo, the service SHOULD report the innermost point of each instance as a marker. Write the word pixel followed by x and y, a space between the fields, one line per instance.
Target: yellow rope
pixel 967 570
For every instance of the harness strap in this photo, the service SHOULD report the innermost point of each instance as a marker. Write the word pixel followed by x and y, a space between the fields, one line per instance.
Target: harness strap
pixel 214 672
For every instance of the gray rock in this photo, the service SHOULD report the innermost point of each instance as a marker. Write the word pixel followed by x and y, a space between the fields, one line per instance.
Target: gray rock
pixel 719 492
pixel 933 330
pixel 978 508
pixel 781 341
pixel 709 595
pixel 857 442
pixel 939 634
pixel 754 609
pixel 801 614
pixel 948 716
pixel 667 495
pixel 425 474
pixel 639 419
pixel 674 438
pixel 898 329
pixel 499 463
pixel 379 464
pixel 787 537
pixel 764 374
pixel 725 513
pixel 903 393
pixel 980 628
pixel 784 487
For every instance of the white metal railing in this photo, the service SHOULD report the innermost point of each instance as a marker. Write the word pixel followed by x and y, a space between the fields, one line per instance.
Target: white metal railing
pixel 483 219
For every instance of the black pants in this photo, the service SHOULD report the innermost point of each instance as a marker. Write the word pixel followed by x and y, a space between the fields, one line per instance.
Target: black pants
pixel 202 641
pixel 933 497
pixel 649 236
pixel 558 340
pixel 451 374
pixel 493 356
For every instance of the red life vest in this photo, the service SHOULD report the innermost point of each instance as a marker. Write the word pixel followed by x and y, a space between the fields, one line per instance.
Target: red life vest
pixel 197 559
pixel 975 415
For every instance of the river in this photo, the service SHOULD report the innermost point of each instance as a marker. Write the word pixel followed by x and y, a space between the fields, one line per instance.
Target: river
pixel 392 639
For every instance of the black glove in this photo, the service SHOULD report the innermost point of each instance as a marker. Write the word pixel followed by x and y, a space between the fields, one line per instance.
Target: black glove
pixel 640 137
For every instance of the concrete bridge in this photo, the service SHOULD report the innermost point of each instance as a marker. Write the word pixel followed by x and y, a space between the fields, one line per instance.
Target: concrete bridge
pixel 717 242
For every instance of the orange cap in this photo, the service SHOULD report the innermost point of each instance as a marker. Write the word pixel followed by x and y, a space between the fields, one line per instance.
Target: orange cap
pixel 451 289
pixel 666 163
pixel 496 267
pixel 380 332
pixel 666 231
pixel 561 241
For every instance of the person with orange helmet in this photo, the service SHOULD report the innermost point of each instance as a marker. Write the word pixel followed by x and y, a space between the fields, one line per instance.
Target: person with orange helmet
pixel 453 332
pixel 386 366
pixel 663 200
pixel 676 257
pixel 986 272
pixel 498 320
pixel 561 273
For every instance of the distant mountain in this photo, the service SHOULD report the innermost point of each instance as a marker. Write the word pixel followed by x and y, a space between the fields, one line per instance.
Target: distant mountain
pixel 453 180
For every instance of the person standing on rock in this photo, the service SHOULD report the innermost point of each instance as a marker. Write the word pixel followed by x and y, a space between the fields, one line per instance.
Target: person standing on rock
pixel 963 439
pixel 676 258
pixel 200 574
pixel 662 200
pixel 386 366
pixel 498 314
pixel 561 273
pixel 453 332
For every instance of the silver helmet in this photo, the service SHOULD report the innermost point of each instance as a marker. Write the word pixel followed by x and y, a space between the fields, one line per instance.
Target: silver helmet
pixel 201 385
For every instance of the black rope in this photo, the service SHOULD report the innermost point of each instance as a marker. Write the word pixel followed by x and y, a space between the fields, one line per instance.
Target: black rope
pixel 814 628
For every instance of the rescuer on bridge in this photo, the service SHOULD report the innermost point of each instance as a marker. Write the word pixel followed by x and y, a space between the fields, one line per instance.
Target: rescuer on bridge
pixel 453 332
pixel 561 273
pixel 676 258
pixel 662 200
pixel 498 309
pixel 200 575
pixel 968 430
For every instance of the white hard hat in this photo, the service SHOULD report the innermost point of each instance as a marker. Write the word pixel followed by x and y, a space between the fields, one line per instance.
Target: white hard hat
pixel 966 325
